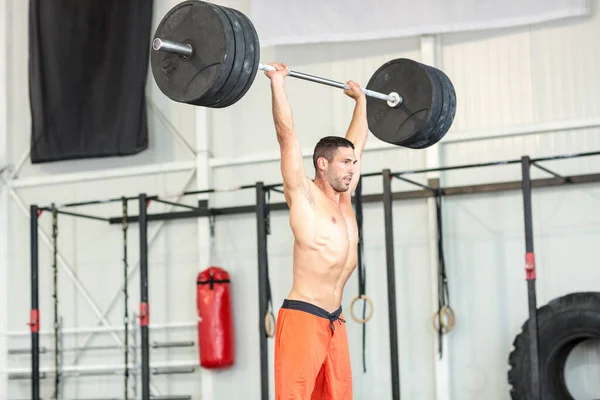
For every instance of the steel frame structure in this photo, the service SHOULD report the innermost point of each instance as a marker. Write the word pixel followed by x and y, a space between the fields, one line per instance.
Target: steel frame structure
pixel 262 209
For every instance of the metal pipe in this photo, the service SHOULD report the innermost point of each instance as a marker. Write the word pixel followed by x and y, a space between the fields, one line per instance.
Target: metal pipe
pixel 72 214
pixel 57 353
pixel 135 355
pixel 262 288
pixel 35 314
pixel 534 378
pixel 171 203
pixel 393 98
pixel 144 306
pixel 113 368
pixel 186 50
pixel 94 202
pixel 182 49
pixel 161 345
pixel 125 228
pixel 567 180
pixel 358 204
pixel 414 183
pixel 155 345
pixel 391 282
pixel 372 198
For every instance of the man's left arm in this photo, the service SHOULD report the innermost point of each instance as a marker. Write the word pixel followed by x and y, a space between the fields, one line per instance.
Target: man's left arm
pixel 358 131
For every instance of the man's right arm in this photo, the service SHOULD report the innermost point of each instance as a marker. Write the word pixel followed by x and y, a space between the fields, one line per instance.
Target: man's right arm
pixel 292 165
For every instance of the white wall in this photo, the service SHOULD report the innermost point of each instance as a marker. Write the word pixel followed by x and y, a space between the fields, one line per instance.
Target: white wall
pixel 508 82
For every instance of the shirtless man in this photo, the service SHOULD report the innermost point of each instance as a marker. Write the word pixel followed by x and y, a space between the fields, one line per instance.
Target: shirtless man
pixel 312 358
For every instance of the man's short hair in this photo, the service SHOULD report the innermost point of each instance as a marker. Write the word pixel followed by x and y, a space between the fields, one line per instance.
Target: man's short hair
pixel 327 147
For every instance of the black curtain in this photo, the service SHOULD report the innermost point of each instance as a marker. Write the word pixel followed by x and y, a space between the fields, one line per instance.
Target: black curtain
pixel 88 62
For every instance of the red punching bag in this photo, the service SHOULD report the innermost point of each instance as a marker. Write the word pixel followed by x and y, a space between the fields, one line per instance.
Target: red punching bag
pixel 215 318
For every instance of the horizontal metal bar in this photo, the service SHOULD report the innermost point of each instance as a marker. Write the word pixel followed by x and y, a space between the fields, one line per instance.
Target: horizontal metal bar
pixel 102 329
pixel 404 195
pixel 27 350
pixel 415 183
pixel 94 202
pixel 273 186
pixel 173 371
pixel 162 345
pixel 340 85
pixel 493 163
pixel 218 190
pixel 154 345
pixel 72 214
pixel 457 167
pixel 109 369
pixel 371 174
pixel 172 397
pixel 566 156
pixel 171 203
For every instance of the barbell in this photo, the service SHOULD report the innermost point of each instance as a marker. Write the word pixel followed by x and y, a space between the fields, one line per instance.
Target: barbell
pixel 208 55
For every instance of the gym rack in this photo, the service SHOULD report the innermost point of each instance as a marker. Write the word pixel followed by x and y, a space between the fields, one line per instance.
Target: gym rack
pixel 262 208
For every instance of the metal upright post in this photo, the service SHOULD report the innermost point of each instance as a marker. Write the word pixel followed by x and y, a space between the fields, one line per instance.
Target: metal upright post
pixel 34 318
pixel 144 305
pixel 391 281
pixel 536 387
pixel 262 287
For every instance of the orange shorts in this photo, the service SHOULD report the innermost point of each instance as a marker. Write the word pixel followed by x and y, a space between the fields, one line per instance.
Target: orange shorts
pixel 312 357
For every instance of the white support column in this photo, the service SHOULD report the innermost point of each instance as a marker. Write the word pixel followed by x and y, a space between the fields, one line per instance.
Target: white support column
pixel 430 56
pixel 4 215
pixel 204 181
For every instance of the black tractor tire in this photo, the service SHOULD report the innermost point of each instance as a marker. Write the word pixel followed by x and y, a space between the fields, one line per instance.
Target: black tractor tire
pixel 562 324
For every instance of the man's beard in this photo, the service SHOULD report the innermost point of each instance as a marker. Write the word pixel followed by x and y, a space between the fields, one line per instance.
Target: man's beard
pixel 338 185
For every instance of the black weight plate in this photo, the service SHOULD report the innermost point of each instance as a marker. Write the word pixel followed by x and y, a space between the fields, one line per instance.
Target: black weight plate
pixel 255 45
pixel 207 29
pixel 242 77
pixel 421 101
pixel 445 120
pixel 251 62
pixel 451 108
pixel 422 139
pixel 430 137
pixel 238 62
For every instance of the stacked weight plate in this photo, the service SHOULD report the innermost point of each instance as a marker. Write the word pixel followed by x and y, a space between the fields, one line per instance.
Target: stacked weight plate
pixel 426 112
pixel 225 56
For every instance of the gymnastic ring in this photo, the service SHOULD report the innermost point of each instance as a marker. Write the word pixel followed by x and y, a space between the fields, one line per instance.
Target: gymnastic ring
pixel 269 324
pixel 368 317
pixel 449 314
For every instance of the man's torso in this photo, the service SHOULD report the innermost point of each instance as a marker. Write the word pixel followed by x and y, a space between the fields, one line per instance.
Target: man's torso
pixel 325 247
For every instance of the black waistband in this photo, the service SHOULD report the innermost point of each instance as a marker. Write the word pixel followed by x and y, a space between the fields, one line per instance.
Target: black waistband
pixel 311 309
pixel 314 310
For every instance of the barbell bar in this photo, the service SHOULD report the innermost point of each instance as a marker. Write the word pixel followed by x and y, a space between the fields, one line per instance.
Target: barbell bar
pixel 186 50
pixel 208 55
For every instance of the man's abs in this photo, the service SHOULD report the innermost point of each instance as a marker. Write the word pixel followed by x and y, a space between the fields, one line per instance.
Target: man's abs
pixel 321 272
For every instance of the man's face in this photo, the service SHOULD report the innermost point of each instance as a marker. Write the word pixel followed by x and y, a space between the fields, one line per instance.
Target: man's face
pixel 339 172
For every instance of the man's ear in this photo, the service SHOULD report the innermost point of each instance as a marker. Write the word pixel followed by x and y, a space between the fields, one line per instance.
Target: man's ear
pixel 322 163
